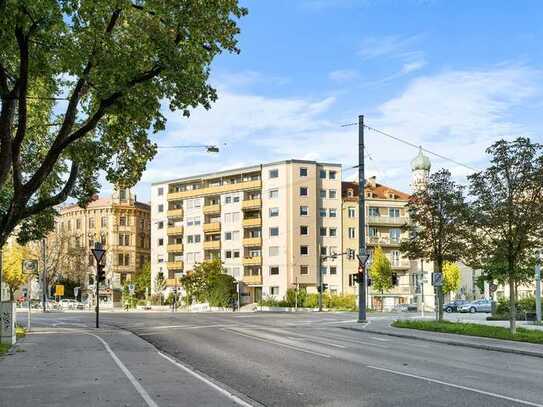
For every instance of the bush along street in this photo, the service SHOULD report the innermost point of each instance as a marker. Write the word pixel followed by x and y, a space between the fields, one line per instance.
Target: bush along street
pixel 304 300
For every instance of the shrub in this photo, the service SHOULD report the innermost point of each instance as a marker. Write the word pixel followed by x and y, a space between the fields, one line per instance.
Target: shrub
pixel 311 301
pixel 526 304
pixel 221 291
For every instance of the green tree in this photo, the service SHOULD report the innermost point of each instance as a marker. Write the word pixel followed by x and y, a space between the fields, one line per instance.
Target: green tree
pixel 142 281
pixel 12 260
pixel 81 84
pixel 160 285
pixel 222 290
pixel 506 213
pixel 451 277
pixel 198 282
pixel 380 272
pixel 438 227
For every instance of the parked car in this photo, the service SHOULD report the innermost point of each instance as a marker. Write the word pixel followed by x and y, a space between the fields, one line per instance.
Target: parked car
pixel 454 306
pixel 407 307
pixel 477 306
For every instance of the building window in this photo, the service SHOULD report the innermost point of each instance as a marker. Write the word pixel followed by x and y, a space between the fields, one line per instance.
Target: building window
pixel 303 191
pixel 228 254
pixel 351 212
pixel 322 212
pixel 304 230
pixel 322 193
pixel 332 174
pixel 161 208
pixel 322 174
pixel 304 270
pixel 274 173
pixel 373 211
pixel 273 251
pixel 372 232
pixel 395 258
pixel 323 231
pixel 304 250
pixel 332 194
pixel 304 210
pixel 227 199
pixel 236 254
pixel 274 270
pixel 161 242
pixel 324 250
pixel 350 193
pixel 333 270
pixel 273 193
pixel 274 212
pixel 78 223
pixel 303 172
pixel 160 191
pixel 323 270
pixel 332 213
pixel 394 212
pixel 274 290
pixel 160 225
pixel 332 232
pixel 274 231
pixel 227 235
pixel 394 234
pixel 91 223
pixel 351 233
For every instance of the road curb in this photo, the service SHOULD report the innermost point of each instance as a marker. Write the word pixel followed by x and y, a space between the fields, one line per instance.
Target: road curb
pixel 448 342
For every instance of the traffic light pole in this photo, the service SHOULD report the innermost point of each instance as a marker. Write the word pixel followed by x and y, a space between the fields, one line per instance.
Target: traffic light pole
pixel 97 282
pixel 361 221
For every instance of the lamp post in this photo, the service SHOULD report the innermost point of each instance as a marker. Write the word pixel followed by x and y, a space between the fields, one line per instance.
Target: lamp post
pixel 98 253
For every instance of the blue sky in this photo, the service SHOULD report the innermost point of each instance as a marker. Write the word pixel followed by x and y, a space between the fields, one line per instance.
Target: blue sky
pixel 451 75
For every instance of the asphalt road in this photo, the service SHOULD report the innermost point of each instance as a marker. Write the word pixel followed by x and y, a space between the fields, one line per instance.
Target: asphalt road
pixel 308 359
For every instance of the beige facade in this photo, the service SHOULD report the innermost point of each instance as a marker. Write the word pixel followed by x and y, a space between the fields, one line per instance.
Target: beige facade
pixel 122 225
pixel 386 215
pixel 264 222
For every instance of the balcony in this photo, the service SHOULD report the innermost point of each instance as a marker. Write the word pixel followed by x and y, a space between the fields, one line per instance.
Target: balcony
pixel 401 265
pixel 252 261
pixel 211 209
pixel 252 222
pixel 175 265
pixel 388 220
pixel 252 280
pixel 175 247
pixel 252 241
pixel 172 282
pixel 212 245
pixel 216 190
pixel 177 213
pixel 212 227
pixel 251 204
pixel 175 230
pixel 383 241
pixel 402 289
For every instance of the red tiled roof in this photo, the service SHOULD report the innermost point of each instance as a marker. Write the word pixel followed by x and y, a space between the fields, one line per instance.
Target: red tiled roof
pixel 380 191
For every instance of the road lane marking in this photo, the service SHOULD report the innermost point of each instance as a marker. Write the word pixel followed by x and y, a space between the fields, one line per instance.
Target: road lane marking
pixel 380 339
pixel 320 342
pixel 324 355
pixel 210 383
pixel 139 388
pixel 457 386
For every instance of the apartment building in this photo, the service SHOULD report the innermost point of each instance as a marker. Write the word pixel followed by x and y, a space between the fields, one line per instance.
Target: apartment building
pixel 386 215
pixel 122 225
pixel 268 224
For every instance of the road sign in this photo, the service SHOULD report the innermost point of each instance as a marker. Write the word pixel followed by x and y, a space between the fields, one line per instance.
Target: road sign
pixel 131 289
pixel 437 279
pixel 98 252
pixel 30 266
pixel 59 290
pixel 492 288
pixel 76 291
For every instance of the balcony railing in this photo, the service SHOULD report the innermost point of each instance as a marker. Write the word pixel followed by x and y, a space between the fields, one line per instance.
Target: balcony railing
pixel 402 264
pixel 212 227
pixel 175 247
pixel 388 220
pixel 251 203
pixel 175 230
pixel 216 189
pixel 212 245
pixel 209 209
pixel 175 265
pixel 175 212
pixel 383 241
pixel 252 280
pixel 252 222
pixel 252 261
pixel 252 241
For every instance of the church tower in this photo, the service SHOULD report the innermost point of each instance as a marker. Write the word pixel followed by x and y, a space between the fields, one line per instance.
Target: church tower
pixel 420 171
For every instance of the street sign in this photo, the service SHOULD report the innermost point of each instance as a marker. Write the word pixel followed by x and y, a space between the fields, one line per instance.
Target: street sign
pixel 131 289
pixel 30 266
pixel 76 291
pixel 437 279
pixel 98 252
pixel 492 288
pixel 59 290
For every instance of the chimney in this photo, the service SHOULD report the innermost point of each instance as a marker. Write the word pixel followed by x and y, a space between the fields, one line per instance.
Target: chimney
pixel 372 181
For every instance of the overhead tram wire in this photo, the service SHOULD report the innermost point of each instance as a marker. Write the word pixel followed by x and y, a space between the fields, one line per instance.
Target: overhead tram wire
pixel 414 145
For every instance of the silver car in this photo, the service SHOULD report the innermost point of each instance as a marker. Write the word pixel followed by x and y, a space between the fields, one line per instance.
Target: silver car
pixel 477 306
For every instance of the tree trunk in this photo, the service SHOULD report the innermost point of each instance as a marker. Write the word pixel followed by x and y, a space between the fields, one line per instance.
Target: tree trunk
pixel 512 306
pixel 11 294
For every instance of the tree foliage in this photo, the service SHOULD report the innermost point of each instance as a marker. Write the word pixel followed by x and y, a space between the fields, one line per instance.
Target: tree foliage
pixel 438 227
pixel 142 281
pixel 506 214
pixel 82 82
pixel 12 260
pixel 208 283
pixel 380 271
pixel 451 277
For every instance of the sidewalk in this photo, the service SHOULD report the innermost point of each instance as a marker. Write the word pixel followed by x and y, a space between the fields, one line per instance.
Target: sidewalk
pixel 52 367
pixel 382 327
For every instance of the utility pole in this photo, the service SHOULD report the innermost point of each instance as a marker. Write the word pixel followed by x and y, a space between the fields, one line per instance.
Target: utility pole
pixel 422 287
pixel 29 302
pixel 538 288
pixel 44 276
pixel 361 222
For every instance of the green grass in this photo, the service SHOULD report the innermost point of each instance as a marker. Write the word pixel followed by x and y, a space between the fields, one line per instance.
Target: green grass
pixel 3 348
pixel 486 331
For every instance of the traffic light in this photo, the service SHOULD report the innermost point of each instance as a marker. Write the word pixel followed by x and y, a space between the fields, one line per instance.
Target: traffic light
pixel 354 278
pixel 351 254
pixel 100 274
pixel 369 281
pixel 394 279
pixel 325 286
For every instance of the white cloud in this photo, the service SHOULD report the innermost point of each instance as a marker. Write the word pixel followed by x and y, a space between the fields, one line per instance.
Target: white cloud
pixel 410 67
pixel 343 75
pixel 387 46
